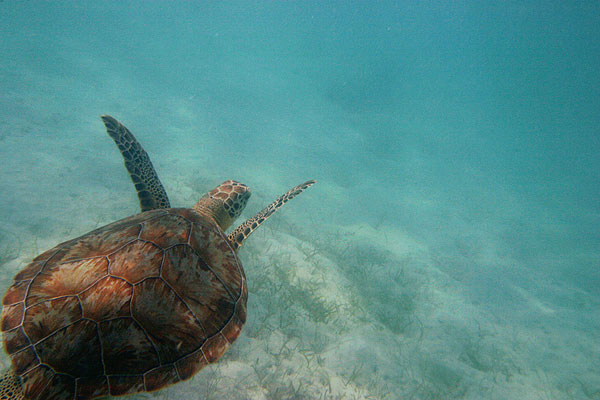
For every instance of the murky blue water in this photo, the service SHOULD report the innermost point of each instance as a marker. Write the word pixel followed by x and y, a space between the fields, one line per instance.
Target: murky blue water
pixel 451 246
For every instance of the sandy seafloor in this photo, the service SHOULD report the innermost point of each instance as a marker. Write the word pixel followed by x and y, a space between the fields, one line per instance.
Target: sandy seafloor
pixel 450 249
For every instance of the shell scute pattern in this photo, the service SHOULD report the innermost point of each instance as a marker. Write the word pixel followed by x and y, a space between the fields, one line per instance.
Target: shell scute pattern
pixel 108 298
pixel 121 385
pixel 16 293
pixel 30 271
pixel 15 340
pixel 170 324
pixel 201 299
pixel 24 360
pixel 190 364
pixel 127 349
pixel 48 254
pixel 234 327
pixel 36 380
pixel 161 376
pixel 59 279
pixel 89 388
pixel 60 388
pixel 100 243
pixel 13 317
pixel 137 261
pixel 214 249
pixel 214 347
pixel 74 349
pixel 167 231
pixel 133 306
pixel 43 319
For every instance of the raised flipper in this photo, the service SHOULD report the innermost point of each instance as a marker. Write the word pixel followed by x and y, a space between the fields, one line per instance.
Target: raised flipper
pixel 150 191
pixel 241 233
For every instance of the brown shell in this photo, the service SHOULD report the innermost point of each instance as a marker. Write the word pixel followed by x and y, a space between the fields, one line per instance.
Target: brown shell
pixel 133 306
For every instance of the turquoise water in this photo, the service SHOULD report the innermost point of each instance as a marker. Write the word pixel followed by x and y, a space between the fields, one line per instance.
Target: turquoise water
pixel 450 249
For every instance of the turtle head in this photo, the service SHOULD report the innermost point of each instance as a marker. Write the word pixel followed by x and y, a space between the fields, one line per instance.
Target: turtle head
pixel 224 203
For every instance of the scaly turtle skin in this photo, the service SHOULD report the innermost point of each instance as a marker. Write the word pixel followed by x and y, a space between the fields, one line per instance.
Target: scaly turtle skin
pixel 136 305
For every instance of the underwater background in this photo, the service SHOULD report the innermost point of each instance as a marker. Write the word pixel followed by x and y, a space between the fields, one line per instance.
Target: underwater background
pixel 451 247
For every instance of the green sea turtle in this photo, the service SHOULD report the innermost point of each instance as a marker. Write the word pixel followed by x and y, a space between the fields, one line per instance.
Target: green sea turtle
pixel 136 305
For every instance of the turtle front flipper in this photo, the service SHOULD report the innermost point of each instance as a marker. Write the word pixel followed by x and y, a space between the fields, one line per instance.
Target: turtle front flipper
pixel 241 233
pixel 150 191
